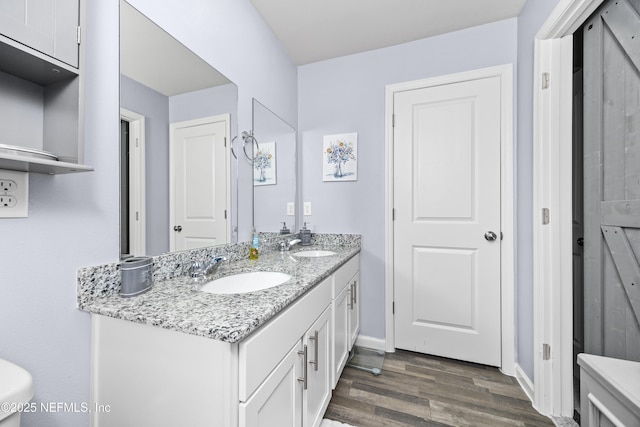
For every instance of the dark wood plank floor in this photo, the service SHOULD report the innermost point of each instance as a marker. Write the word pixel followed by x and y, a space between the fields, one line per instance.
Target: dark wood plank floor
pixel 418 390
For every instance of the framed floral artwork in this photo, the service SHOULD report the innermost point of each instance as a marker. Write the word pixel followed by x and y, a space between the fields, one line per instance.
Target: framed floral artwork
pixel 340 157
pixel 264 165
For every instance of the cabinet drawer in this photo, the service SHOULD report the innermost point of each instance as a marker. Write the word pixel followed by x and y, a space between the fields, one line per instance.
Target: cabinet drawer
pixel 263 350
pixel 344 274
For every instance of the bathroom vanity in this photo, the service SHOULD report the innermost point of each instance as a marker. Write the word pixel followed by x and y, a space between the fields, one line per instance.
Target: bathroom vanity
pixel 180 356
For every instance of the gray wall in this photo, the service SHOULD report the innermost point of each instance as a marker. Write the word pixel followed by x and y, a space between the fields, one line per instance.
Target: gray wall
pixel 347 95
pixel 232 37
pixel 155 107
pixel 212 102
pixel 159 111
pixel 21 112
pixel 204 103
pixel 73 219
pixel 73 222
pixel 270 201
pixel 530 20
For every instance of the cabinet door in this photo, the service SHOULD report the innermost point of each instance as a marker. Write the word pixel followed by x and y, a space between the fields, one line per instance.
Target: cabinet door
pixel 354 309
pixel 278 401
pixel 318 392
pixel 341 334
pixel 48 26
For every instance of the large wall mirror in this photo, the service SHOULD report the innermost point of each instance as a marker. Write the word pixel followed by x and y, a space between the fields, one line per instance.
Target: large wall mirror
pixel 178 116
pixel 274 171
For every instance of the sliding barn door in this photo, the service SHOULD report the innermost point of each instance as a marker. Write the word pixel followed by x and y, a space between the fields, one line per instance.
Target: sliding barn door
pixel 612 180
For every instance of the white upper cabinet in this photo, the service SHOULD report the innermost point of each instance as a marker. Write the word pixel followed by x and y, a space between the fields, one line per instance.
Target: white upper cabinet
pixel 41 81
pixel 48 26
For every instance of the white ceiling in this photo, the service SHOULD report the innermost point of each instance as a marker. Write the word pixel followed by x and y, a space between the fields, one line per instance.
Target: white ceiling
pixel 317 30
pixel 152 57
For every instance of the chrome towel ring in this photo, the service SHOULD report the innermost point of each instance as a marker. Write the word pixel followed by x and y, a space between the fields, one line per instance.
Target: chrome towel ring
pixel 245 136
pixel 249 136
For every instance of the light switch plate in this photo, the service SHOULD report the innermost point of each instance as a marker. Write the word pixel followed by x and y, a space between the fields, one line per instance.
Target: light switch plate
pixel 291 208
pixel 14 194
pixel 307 208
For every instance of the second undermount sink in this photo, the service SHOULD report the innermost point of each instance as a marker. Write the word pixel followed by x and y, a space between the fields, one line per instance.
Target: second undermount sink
pixel 245 282
pixel 313 254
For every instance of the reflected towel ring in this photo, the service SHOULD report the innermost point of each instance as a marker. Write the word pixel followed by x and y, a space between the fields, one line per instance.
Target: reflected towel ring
pixel 232 150
pixel 249 135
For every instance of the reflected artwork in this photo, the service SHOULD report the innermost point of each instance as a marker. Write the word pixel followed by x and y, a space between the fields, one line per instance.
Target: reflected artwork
pixel 264 165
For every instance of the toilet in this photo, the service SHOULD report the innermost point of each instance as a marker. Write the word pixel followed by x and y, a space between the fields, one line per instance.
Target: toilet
pixel 16 390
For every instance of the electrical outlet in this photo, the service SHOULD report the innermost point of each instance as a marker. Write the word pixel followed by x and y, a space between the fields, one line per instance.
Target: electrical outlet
pixel 307 208
pixel 8 202
pixel 7 186
pixel 14 194
pixel 291 208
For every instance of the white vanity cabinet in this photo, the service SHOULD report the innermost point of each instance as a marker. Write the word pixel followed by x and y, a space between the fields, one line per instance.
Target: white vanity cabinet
pixel 298 390
pixel 281 375
pixel 609 391
pixel 49 27
pixel 345 313
pixel 354 309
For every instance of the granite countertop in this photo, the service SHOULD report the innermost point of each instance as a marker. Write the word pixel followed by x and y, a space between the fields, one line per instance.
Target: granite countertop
pixel 178 305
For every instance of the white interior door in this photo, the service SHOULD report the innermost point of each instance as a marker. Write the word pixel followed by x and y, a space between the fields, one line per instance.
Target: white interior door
pixel 447 220
pixel 199 183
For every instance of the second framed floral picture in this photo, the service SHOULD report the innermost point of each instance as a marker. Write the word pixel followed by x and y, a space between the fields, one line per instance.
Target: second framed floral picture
pixel 340 157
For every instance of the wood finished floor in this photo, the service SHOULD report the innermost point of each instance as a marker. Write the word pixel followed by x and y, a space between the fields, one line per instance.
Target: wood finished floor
pixel 418 390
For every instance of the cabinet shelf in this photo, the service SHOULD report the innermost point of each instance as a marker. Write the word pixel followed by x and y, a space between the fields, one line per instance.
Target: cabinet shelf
pixel 31 65
pixel 34 165
pixel 41 82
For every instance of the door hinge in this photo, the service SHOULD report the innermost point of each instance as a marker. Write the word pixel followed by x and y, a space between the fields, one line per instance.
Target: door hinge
pixel 546 352
pixel 225 141
pixel 545 216
pixel 393 120
pixel 137 216
pixel 225 214
pixel 393 307
pixel 137 143
pixel 501 235
pixel 78 34
pixel 545 80
pixel 393 214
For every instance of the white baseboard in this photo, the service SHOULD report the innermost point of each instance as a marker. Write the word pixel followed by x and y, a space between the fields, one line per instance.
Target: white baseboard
pixel 525 383
pixel 371 342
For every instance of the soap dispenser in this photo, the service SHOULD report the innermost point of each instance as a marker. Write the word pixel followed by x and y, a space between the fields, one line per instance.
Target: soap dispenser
pixel 284 229
pixel 305 236
pixel 253 251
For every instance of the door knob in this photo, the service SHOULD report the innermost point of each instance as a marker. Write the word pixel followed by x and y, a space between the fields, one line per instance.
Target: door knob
pixel 580 241
pixel 490 236
pixel 177 228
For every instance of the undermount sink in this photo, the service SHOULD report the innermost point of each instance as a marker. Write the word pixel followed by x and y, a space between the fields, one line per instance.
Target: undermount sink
pixel 245 282
pixel 313 254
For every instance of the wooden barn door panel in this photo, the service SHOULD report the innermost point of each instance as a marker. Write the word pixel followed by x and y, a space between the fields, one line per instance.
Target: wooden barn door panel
pixel 612 180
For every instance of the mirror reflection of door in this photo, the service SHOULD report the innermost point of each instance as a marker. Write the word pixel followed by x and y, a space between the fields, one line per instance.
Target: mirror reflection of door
pixel 198 184
pixel 164 81
pixel 132 187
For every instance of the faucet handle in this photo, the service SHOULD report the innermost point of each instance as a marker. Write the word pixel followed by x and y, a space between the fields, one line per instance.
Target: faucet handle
pixel 219 258
pixel 196 269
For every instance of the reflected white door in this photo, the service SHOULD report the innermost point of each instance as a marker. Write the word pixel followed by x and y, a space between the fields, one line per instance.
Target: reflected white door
pixel 447 197
pixel 199 183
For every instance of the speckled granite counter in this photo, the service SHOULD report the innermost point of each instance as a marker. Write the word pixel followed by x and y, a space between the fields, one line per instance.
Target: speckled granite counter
pixel 177 304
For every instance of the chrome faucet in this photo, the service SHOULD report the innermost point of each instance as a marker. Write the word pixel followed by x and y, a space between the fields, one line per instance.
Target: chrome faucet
pixel 285 246
pixel 199 271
